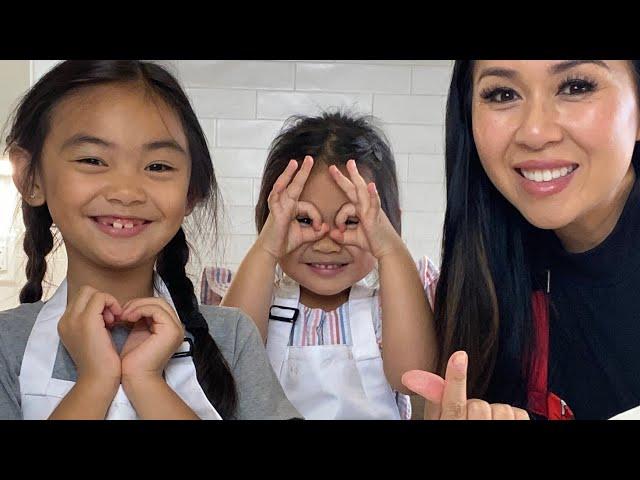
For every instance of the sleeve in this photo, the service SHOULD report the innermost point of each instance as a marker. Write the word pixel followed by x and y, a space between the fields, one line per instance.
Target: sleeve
pixel 429 277
pixel 214 284
pixel 260 396
pixel 9 387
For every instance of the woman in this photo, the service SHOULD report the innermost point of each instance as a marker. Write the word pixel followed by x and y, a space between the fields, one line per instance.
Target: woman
pixel 539 267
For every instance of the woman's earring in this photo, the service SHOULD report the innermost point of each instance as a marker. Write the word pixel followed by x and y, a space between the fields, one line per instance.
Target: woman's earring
pixel 32 196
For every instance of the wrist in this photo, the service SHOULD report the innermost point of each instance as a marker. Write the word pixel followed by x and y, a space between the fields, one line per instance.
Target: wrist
pixel 98 386
pixel 394 250
pixel 264 253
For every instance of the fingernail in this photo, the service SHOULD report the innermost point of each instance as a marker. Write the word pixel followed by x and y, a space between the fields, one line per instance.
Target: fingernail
pixel 460 361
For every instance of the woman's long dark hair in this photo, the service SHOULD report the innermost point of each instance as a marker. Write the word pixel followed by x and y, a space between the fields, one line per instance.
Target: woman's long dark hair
pixel 492 259
pixel 333 138
pixel 29 129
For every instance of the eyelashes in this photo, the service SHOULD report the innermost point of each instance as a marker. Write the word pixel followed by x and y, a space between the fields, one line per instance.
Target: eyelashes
pixel 571 86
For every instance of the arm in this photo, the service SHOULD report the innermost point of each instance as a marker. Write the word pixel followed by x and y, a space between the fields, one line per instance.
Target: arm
pixel 89 399
pixel 154 399
pixel 408 331
pixel 251 289
pixel 252 286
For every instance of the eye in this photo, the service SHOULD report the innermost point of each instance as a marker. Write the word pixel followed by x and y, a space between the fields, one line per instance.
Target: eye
pixel 352 221
pixel 159 167
pixel 499 95
pixel 92 161
pixel 576 86
pixel 304 220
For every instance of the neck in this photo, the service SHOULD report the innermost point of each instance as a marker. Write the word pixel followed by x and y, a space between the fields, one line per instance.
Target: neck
pixel 594 227
pixel 123 284
pixel 325 302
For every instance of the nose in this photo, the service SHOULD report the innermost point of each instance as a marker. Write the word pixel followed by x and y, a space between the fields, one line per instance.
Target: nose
pixel 125 189
pixel 326 245
pixel 539 125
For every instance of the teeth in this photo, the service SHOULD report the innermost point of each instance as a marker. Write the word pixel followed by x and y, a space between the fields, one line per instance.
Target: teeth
pixel 117 225
pixel 546 175
pixel 128 225
pixel 323 266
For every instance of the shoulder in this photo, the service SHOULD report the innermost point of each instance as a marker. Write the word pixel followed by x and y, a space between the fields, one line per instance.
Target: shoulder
pixel 15 327
pixel 229 327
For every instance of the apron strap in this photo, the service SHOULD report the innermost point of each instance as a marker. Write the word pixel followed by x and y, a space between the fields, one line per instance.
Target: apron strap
pixel 540 400
pixel 283 315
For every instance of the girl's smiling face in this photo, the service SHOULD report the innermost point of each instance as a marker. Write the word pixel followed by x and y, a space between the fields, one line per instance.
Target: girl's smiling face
pixel 325 267
pixel 115 172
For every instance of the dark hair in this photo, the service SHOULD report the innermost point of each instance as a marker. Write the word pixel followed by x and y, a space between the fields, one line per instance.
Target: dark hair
pixel 333 138
pixel 29 129
pixel 492 260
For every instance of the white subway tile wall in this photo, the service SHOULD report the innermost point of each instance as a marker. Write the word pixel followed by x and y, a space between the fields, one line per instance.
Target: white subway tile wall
pixel 242 106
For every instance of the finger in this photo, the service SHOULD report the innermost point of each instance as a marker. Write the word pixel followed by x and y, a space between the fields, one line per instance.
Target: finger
pixel 285 177
pixel 374 197
pixel 108 317
pixel 500 411
pixel 310 235
pixel 359 183
pixel 454 398
pixel 156 314
pixel 297 184
pixel 307 209
pixel 429 386
pixel 520 414
pixel 347 211
pixel 153 301
pixel 478 410
pixel 344 183
pixel 99 302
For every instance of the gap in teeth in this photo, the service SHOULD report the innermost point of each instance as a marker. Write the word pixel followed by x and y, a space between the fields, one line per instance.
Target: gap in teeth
pixel 547 174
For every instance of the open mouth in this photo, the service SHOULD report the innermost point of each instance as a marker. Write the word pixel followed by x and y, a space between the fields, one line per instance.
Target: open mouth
pixel 327 266
pixel 120 226
pixel 546 175
pixel 327 269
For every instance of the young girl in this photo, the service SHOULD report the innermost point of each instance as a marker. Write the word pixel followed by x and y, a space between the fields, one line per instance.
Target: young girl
pixel 112 153
pixel 346 287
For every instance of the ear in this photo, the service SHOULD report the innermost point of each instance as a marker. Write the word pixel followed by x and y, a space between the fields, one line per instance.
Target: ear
pixel 33 194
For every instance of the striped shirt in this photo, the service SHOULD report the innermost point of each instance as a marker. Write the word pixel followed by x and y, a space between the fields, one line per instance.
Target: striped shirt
pixel 318 327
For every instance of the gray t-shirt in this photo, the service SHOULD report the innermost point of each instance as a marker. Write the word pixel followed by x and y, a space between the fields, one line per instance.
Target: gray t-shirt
pixel 260 395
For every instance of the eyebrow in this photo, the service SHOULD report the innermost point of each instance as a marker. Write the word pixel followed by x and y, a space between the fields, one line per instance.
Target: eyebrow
pixel 81 138
pixel 554 69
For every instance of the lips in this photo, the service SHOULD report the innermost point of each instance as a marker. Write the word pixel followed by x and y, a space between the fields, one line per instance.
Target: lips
pixel 327 269
pixel 120 227
pixel 120 222
pixel 542 178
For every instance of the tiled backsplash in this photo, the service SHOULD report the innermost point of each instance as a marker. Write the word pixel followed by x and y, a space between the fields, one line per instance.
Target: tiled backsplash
pixel 242 106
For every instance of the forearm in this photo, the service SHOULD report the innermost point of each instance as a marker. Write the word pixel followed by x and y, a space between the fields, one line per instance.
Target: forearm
pixel 252 287
pixel 408 331
pixel 87 400
pixel 154 399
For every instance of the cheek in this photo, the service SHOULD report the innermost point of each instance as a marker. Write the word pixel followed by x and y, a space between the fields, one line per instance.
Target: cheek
pixel 491 136
pixel 607 132
pixel 363 261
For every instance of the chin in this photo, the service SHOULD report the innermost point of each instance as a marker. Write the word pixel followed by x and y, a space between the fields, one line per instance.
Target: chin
pixel 548 220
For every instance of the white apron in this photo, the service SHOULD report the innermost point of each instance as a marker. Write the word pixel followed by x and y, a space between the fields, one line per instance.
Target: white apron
pixel 326 382
pixel 40 393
